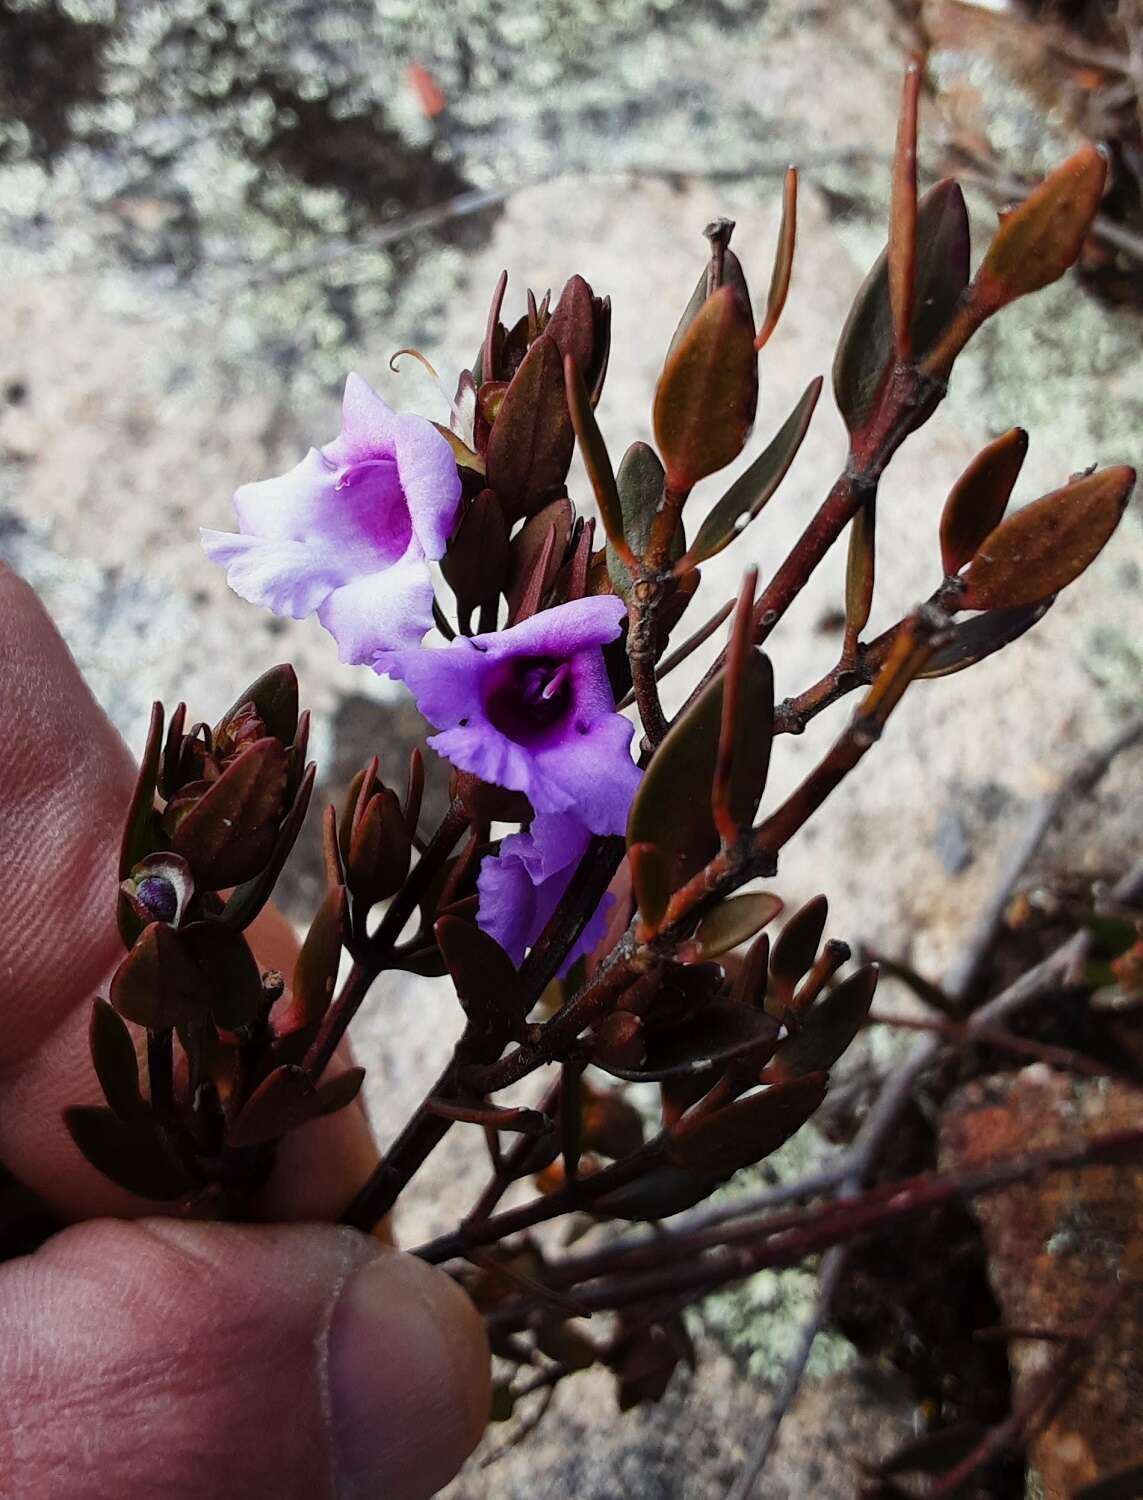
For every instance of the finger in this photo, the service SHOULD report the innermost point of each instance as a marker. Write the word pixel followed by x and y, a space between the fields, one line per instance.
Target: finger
pixel 215 1360
pixel 65 784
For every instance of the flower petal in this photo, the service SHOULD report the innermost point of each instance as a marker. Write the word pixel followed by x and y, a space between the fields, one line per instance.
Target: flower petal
pixel 366 425
pixel 290 506
pixel 592 772
pixel 562 631
pixel 507 910
pixel 521 888
pixel 380 611
pixel 495 758
pixel 445 683
pixel 291 578
pixel 429 477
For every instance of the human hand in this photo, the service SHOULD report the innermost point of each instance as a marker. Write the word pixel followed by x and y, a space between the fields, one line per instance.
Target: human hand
pixel 146 1356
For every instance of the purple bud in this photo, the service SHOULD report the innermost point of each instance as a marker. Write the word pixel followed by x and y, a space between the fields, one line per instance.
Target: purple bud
pixel 159 896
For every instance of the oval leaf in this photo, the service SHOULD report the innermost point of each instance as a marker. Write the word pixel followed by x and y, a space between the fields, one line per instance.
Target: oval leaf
pixel 1041 237
pixel 158 985
pixel 116 1063
pixel 658 1194
pixel 640 484
pixel 973 640
pixel 978 499
pixel 315 972
pixel 708 392
pixel 651 880
pixel 828 1028
pixel 530 447
pixel 753 488
pixel 487 984
pixel 229 970
pixel 672 804
pixel 866 348
pixel 746 1131
pixel 1041 549
pixel 275 699
pixel 732 922
pixel 229 833
pixel 719 1033
pixel 798 943
pixel 131 1155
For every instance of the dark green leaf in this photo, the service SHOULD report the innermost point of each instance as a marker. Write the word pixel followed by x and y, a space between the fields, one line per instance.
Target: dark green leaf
pixel 230 973
pixel 529 544
pixel 978 499
pixel 797 945
pixel 275 699
pixel 720 1032
pixel 708 392
pixel 229 833
pixel 487 984
pixel 315 972
pixel 865 350
pixel 158 985
pixel 284 1100
pixel 651 881
pixel 828 1028
pixel 735 920
pixel 672 805
pixel 747 1131
pixel 860 568
pixel 640 483
pixel 530 447
pixel 935 1451
pixel 116 1064
pixel 476 563
pixel 596 459
pixel 753 488
pixel 130 1154
pixel 141 830
pixel 974 639
pixel 658 1194
pixel 1039 550
pixel 244 903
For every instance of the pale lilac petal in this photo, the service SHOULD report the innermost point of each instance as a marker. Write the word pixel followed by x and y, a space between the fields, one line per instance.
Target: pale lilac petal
pixel 571 627
pixel 284 576
pixel 380 611
pixel 594 772
pixel 430 480
pixel 292 505
pixel 366 425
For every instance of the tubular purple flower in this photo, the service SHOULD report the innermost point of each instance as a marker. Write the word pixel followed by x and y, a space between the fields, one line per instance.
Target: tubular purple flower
pixel 348 533
pixel 530 708
pixel 522 885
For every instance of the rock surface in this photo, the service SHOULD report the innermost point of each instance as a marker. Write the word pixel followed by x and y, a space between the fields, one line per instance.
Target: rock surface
pixel 1055 1249
pixel 216 216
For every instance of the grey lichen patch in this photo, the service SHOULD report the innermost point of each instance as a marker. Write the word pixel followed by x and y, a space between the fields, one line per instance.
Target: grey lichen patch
pixel 760 1321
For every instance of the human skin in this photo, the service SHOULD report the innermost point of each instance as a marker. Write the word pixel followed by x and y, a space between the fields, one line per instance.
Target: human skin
pixel 145 1355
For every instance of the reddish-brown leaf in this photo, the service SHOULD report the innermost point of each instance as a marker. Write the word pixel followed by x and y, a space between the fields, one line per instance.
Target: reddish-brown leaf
pixel 978 499
pixel 1039 550
pixel 708 392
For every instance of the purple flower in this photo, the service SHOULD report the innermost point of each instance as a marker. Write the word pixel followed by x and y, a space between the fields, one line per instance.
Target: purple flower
pixel 531 708
pixel 521 887
pixel 347 533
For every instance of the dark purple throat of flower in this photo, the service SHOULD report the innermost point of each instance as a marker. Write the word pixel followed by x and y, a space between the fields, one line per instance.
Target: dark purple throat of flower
pixel 531 699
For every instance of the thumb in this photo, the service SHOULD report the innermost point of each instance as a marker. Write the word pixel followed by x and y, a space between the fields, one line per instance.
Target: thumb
pixel 159 1357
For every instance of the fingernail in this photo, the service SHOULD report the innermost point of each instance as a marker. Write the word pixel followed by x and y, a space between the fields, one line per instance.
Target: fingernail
pixel 408 1380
